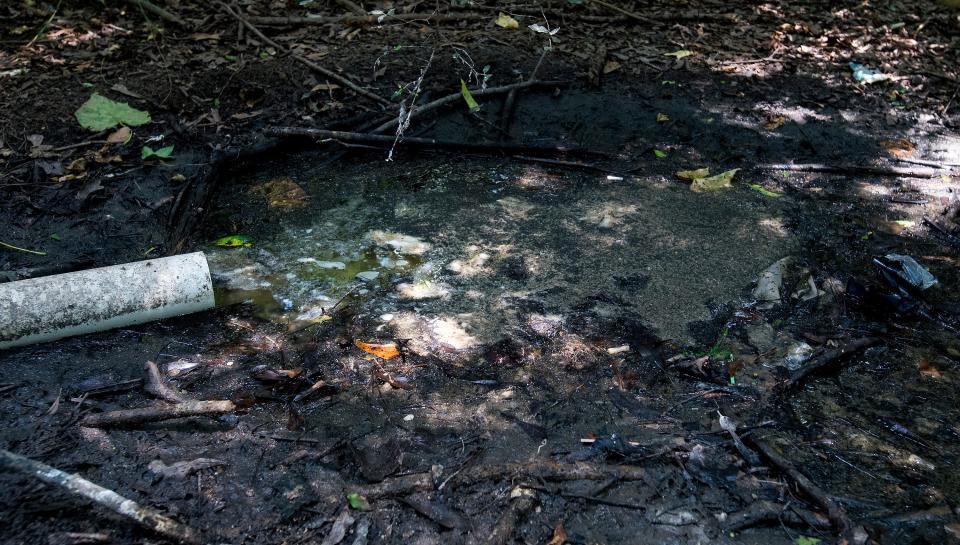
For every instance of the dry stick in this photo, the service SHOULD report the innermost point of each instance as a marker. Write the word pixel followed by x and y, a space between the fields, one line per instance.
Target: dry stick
pixel 303 60
pixel 367 19
pixel 352 7
pixel 950 237
pixel 854 170
pixel 157 413
pixel 506 116
pixel 835 512
pixel 158 11
pixel 443 101
pixel 158 388
pixel 144 516
pixel 827 359
pixel 537 470
pixel 622 11
pixel 765 511
pixel 419 142
pixel 524 501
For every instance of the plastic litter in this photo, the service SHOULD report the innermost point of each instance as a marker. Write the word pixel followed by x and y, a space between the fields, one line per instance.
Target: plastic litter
pixel 866 74
pixel 907 269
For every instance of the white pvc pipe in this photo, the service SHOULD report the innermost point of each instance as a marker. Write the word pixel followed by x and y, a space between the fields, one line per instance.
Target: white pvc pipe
pixel 53 307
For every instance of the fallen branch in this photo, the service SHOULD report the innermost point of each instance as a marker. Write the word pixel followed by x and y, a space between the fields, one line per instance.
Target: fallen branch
pixel 828 359
pixel 157 413
pixel 835 512
pixel 143 516
pixel 454 97
pixel 538 470
pixel 146 5
pixel 303 60
pixel 947 235
pixel 853 170
pixel 157 387
pixel 522 501
pixel 768 512
pixel 430 143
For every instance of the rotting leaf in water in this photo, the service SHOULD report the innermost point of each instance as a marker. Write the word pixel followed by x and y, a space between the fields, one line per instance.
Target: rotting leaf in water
pixel 385 351
pixel 765 192
pixel 505 21
pixel 358 502
pixel 559 535
pixel 713 183
pixel 281 192
pixel 900 147
pixel 99 113
pixel 234 241
pixel 680 54
pixel 149 153
pixel 927 369
pixel 774 122
pixel 468 97
pixel 691 175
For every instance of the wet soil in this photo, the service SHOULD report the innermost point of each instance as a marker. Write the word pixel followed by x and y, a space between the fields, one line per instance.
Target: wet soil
pixel 568 335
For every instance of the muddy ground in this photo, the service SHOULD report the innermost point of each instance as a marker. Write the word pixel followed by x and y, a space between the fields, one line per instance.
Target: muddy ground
pixel 571 319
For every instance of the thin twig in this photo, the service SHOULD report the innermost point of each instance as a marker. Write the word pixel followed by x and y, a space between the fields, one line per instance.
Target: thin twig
pixel 303 60
pixel 854 170
pixel 143 516
pixel 454 97
pixel 835 512
pixel 19 249
pixel 368 19
pixel 422 142
pixel 158 11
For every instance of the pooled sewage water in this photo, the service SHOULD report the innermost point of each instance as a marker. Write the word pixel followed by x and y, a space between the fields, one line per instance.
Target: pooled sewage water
pixel 458 252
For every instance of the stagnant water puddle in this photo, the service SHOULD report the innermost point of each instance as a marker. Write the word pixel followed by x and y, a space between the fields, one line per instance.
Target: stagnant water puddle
pixel 485 247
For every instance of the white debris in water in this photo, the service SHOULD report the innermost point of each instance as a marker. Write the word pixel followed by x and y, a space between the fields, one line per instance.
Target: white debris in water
pixel 368 275
pixel 408 418
pixel 386 317
pixel 618 349
pixel 339 265
pixel 425 289
pixel 402 244
pixel 390 263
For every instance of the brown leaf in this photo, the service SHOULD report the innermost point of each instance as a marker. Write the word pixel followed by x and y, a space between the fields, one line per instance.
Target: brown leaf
pixel 901 147
pixel 559 535
pixel 120 136
pixel 281 193
pixel 611 66
pixel 774 122
pixel 927 369
pixel 385 351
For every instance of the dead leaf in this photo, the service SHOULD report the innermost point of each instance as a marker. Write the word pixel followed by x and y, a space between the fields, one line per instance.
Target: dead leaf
pixel 713 183
pixel 774 122
pixel 901 147
pixel 662 118
pixel 282 193
pixel 200 36
pixel 385 351
pixel 505 21
pixel 120 136
pixel 681 54
pixel 611 66
pixel 691 175
pixel 559 535
pixel 103 156
pixel 181 470
pixel 927 369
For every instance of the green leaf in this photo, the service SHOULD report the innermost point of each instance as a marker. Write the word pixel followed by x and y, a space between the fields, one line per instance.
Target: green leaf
pixel 358 502
pixel 471 103
pixel 659 154
pixel 234 241
pixel 149 153
pixel 765 192
pixel 683 53
pixel 55 236
pixel 99 113
pixel 807 540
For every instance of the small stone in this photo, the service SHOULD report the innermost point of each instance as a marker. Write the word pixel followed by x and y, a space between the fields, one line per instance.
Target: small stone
pixel 368 275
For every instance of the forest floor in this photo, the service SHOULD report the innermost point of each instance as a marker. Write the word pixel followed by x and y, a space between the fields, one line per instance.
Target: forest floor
pixel 529 332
